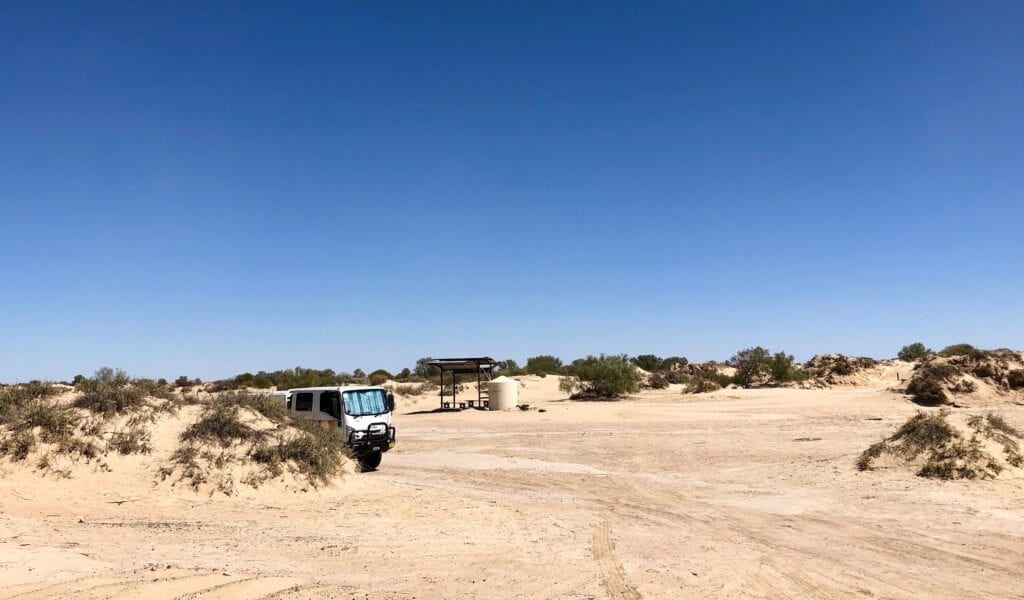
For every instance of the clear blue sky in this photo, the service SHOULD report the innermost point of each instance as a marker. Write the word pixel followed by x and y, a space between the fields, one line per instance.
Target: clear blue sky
pixel 208 188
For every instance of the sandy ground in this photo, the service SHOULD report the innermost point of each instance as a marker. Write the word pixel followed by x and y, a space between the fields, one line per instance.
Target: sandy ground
pixel 735 494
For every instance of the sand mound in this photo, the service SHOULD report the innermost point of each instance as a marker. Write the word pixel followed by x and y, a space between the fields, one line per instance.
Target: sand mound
pixel 212 446
pixel 253 441
pixel 945 446
pixel 974 377
pixel 839 369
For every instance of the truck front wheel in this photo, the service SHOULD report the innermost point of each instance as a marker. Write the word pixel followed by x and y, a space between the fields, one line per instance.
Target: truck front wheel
pixel 369 461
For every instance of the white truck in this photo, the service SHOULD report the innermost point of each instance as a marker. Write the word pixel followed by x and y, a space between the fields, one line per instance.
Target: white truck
pixel 362 412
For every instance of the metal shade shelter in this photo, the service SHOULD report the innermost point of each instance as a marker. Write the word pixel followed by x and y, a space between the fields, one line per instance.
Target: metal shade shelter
pixel 478 366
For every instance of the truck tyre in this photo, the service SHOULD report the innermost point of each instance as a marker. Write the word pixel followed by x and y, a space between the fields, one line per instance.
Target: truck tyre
pixel 369 461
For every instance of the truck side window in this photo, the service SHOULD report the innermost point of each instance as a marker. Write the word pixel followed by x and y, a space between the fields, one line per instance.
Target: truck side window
pixel 304 401
pixel 329 403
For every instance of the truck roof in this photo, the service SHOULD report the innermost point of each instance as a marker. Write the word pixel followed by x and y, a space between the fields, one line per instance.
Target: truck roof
pixel 337 388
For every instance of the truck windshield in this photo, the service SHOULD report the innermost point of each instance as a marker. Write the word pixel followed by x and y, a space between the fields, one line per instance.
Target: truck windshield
pixel 365 402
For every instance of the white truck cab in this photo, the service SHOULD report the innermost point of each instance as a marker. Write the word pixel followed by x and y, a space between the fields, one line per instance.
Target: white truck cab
pixel 363 412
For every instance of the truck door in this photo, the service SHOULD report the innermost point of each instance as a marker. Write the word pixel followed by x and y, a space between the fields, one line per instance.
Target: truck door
pixel 330 403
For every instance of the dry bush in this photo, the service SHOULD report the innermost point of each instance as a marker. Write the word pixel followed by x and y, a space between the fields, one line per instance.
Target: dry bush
pixel 133 438
pixel 1015 379
pixel 221 424
pixel 317 454
pixel 112 391
pixel 30 418
pixel 223 435
pixel 826 368
pixel 410 390
pixel 657 381
pixel 959 370
pixel 945 452
pixel 929 382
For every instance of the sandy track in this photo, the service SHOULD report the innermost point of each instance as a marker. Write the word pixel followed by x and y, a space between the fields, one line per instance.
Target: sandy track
pixel 739 494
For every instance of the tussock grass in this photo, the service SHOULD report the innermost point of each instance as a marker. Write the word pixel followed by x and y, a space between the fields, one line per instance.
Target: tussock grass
pixel 224 435
pixel 112 391
pixel 221 424
pixel 32 418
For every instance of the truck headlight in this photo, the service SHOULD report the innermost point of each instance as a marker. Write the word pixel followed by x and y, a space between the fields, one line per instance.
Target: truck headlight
pixel 378 429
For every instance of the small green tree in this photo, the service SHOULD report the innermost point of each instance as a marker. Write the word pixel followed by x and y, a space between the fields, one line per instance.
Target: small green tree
pixel 508 367
pixel 753 365
pixel 602 377
pixel 913 352
pixel 648 362
pixel 544 364
pixel 783 370
pixel 379 376
pixel 674 362
pixel 424 369
pixel 758 365
pixel 183 381
pixel 957 350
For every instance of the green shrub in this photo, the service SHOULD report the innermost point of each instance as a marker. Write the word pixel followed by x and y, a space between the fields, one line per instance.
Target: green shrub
pixel 134 438
pixel 913 352
pixel 1015 379
pixel 958 350
pixel 19 445
pixel 316 453
pixel 928 383
pixel 544 364
pixel 874 451
pixel 110 392
pixel 602 377
pixel 753 365
pixel 313 452
pixel 424 369
pixel 508 368
pixel 379 377
pixel 221 423
pixel 782 369
pixel 673 363
pixel 648 362
pixel 946 454
pixel 657 381
pixel 757 365
pixel 679 376
pixel 703 385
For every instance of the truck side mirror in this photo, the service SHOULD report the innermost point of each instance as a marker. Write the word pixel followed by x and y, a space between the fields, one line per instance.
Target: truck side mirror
pixel 391 401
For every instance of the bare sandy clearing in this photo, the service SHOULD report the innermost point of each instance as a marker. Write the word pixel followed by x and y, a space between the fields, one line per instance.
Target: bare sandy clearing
pixel 736 494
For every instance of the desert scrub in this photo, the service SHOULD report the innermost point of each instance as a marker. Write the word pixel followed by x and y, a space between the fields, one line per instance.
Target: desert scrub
pixel 945 451
pixel 410 389
pixel 928 383
pixel 133 438
pixel 112 391
pixel 657 381
pixel 317 454
pixel 221 424
pixel 226 433
pixel 601 377
pixel 29 417
pixel 913 352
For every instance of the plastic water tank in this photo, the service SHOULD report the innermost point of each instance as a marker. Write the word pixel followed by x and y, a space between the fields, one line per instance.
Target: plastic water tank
pixel 503 393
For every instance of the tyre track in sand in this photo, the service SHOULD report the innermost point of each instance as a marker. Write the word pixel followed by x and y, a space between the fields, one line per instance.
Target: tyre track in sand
pixel 614 578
